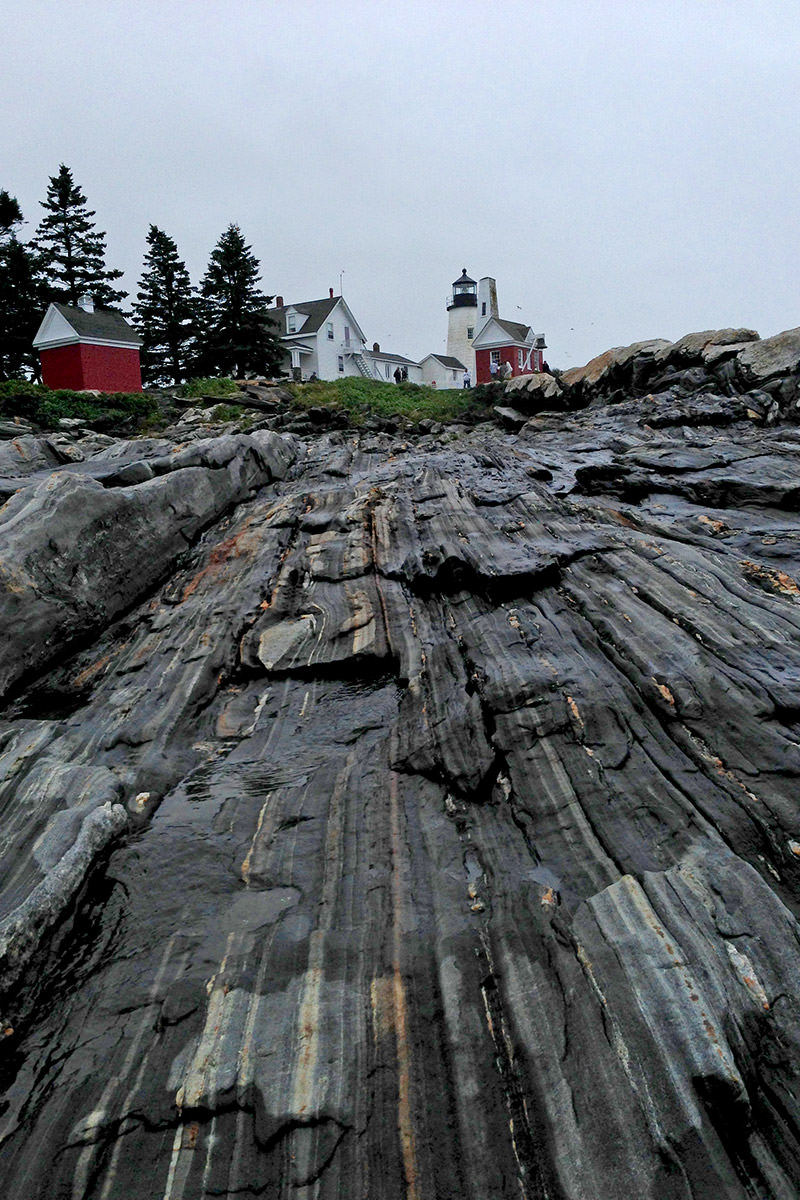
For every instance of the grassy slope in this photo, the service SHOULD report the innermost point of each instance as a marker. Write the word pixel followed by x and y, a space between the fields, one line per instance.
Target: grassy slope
pixel 361 398
pixel 358 398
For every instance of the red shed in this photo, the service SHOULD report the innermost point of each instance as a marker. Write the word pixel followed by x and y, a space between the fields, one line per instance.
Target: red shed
pixel 83 348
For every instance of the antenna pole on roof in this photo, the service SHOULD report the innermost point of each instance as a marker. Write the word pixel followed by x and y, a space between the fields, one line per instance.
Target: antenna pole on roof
pixel 341 273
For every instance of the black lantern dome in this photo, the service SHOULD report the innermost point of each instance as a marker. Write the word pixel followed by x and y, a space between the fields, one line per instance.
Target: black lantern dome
pixel 465 292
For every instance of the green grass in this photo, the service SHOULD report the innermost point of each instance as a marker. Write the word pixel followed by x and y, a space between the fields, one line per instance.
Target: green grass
pixel 197 388
pixel 110 413
pixel 362 398
pixel 227 412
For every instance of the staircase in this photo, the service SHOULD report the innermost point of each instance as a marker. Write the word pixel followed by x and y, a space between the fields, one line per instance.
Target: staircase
pixel 362 364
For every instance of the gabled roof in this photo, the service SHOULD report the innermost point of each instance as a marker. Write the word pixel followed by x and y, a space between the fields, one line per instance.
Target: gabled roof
pixel 447 361
pixel 514 330
pixel 316 313
pixel 64 324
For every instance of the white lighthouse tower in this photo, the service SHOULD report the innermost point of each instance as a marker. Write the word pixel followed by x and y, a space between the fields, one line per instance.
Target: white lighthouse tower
pixel 462 321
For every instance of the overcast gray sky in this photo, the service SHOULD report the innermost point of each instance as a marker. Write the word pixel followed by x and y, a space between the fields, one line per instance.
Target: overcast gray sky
pixel 624 170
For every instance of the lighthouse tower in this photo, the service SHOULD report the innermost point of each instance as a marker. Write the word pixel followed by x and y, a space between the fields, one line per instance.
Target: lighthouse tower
pixel 462 313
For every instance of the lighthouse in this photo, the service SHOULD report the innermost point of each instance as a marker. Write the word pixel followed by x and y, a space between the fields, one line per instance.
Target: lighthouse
pixel 462 320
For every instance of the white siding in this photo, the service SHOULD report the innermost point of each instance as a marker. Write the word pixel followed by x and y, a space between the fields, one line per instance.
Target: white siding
pixel 379 366
pixel 436 373
pixel 459 345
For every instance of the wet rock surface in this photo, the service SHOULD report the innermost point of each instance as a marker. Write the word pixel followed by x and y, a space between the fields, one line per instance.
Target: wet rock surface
pixel 419 819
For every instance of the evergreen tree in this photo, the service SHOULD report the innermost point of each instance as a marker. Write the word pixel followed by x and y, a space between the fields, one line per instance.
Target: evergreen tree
pixel 72 252
pixel 21 303
pixel 10 213
pixel 236 338
pixel 166 312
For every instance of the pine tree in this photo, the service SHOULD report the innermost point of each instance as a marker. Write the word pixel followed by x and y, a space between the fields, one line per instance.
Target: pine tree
pixel 235 338
pixel 72 252
pixel 21 304
pixel 166 312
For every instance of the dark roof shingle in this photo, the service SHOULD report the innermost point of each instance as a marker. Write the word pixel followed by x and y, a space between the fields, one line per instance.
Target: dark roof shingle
pixel 517 331
pixel 449 361
pixel 314 310
pixel 106 324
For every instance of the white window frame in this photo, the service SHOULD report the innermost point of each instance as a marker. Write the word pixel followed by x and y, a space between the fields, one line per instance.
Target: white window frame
pixel 341 364
pixel 329 330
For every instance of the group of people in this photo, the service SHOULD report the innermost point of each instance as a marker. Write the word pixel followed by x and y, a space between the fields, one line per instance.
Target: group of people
pixel 498 370
pixel 501 370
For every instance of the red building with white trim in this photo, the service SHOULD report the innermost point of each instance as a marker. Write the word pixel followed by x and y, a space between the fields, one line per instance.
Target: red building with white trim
pixel 86 348
pixel 506 342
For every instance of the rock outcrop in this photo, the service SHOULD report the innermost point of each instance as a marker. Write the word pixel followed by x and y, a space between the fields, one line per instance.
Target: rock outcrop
pixel 763 373
pixel 411 818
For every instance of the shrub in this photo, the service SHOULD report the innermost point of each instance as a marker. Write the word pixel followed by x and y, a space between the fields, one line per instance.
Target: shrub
pixel 210 386
pixel 491 393
pixel 226 412
pixel 361 398
pixel 109 412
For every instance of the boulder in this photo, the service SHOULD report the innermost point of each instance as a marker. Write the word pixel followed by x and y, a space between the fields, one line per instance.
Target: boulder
pixel 598 368
pixel 770 356
pixel 693 346
pixel 509 418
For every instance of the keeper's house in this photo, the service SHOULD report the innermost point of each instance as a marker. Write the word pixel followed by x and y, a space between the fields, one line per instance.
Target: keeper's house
pixel 88 349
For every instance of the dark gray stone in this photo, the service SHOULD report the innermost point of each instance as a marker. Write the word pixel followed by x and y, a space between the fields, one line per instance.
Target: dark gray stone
pixel 408 818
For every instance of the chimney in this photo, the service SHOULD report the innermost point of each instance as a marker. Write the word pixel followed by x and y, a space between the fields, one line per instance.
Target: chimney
pixel 86 302
pixel 330 292
pixel 487 298
pixel 376 348
pixel 279 301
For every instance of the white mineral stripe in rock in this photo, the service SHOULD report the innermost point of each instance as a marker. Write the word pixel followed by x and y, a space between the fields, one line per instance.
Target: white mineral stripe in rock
pixel 143 1030
pixel 688 1034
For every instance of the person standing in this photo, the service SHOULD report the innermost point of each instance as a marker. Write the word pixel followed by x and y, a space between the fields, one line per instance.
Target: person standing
pixel 467 381
pixel 398 374
pixel 493 370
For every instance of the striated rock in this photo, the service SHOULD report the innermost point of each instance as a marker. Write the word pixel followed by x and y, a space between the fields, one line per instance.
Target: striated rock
pixel 612 360
pixel 725 362
pixel 509 418
pixel 401 819
pixel 76 553
pixel 706 345
pixel 771 356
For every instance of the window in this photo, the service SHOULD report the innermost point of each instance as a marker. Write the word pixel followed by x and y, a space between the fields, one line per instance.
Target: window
pixel 519 359
pixel 347 335
pixel 388 372
pixel 483 308
pixel 341 365
pixel 329 330
pixel 470 332
pixel 496 357
pixel 291 323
